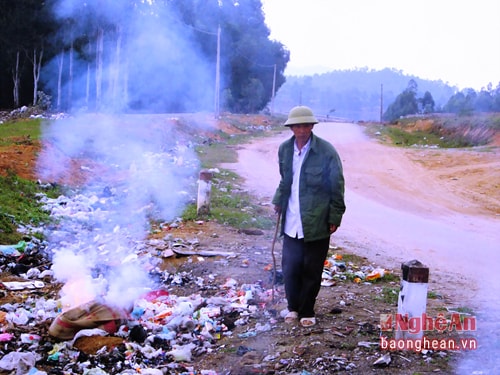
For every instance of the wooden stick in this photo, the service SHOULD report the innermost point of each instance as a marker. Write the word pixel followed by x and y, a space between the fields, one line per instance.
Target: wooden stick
pixel 272 253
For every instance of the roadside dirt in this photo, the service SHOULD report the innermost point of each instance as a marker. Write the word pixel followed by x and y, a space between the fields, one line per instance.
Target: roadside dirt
pixel 394 195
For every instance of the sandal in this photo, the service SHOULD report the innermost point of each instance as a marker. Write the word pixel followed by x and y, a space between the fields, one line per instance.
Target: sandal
pixel 308 322
pixel 291 317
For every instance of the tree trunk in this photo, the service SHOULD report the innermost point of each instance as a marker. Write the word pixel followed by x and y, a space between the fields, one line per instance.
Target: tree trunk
pixel 70 74
pixel 15 79
pixel 99 67
pixel 125 82
pixel 115 71
pixel 37 67
pixel 87 88
pixel 60 63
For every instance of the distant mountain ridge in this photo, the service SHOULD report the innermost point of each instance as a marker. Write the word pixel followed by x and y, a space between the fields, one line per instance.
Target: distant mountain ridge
pixel 355 95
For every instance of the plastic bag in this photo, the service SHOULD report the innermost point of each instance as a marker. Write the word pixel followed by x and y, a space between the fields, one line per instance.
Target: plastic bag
pixel 21 362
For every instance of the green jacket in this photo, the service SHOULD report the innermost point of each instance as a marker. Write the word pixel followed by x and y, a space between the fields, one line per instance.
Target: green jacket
pixel 321 187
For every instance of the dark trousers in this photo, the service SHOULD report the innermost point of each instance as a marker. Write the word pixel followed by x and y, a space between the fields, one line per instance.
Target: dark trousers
pixel 302 264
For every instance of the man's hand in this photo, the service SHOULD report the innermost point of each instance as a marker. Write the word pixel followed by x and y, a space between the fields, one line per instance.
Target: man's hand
pixel 333 228
pixel 277 210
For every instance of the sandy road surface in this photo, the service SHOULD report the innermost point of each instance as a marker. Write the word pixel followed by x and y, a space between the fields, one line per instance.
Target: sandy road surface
pixel 399 210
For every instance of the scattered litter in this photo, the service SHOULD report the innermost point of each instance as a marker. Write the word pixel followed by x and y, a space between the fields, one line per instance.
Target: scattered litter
pixel 248 334
pixel 13 250
pixel 337 333
pixel 299 350
pixel 21 362
pixel 383 361
pixel 327 282
pixel 20 285
pixel 336 310
pixel 336 269
pixel 184 250
pixel 251 232
pixel 406 359
pixel 242 350
pixel 368 344
pixel 377 273
pixel 6 337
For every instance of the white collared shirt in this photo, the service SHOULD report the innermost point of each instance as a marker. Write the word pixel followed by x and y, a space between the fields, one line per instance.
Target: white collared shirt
pixel 293 222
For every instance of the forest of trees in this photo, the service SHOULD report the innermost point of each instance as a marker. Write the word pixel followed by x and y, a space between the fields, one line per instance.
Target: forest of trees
pixel 465 102
pixel 155 55
pixel 187 56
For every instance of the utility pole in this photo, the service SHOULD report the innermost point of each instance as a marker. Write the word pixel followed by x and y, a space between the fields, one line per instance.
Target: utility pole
pixel 381 101
pixel 217 77
pixel 274 91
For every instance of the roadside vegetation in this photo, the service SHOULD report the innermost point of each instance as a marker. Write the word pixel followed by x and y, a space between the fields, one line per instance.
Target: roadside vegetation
pixel 464 103
pixel 19 205
pixel 230 204
pixel 439 131
pixel 21 131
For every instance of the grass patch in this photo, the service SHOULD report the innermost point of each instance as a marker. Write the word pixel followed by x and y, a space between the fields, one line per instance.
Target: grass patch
pixel 433 295
pixel 463 310
pixel 388 295
pixel 389 277
pixel 402 137
pixel 229 205
pixel 19 131
pixel 353 258
pixel 19 205
pixel 215 154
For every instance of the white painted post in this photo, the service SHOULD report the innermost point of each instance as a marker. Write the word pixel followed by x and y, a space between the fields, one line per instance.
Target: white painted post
pixel 412 300
pixel 204 189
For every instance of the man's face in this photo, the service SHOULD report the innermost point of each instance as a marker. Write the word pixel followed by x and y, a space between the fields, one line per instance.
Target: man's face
pixel 302 132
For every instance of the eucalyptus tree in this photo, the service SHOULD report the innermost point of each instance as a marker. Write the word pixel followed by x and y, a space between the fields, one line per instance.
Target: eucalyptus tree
pixel 254 64
pixel 14 38
pixel 251 64
pixel 406 103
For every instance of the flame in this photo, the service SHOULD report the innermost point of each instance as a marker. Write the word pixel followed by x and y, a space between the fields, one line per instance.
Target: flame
pixel 77 292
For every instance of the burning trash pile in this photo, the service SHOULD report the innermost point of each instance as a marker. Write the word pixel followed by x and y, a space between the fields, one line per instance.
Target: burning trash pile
pixel 60 303
pixel 92 298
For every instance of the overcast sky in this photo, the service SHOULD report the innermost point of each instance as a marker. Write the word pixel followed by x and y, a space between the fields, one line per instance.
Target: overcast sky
pixel 455 41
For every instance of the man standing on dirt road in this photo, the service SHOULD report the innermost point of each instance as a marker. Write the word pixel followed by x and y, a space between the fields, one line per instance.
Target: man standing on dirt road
pixel 310 200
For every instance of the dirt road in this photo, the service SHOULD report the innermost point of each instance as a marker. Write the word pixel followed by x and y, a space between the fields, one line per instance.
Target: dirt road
pixel 400 208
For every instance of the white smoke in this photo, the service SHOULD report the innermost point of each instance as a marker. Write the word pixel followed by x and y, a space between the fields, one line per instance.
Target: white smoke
pixel 115 56
pixel 134 168
pixel 137 171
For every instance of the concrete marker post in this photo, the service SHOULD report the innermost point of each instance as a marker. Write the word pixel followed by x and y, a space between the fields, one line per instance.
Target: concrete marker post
pixel 412 300
pixel 204 190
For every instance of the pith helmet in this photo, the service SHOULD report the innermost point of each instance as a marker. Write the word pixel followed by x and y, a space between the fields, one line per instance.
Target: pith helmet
pixel 301 115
